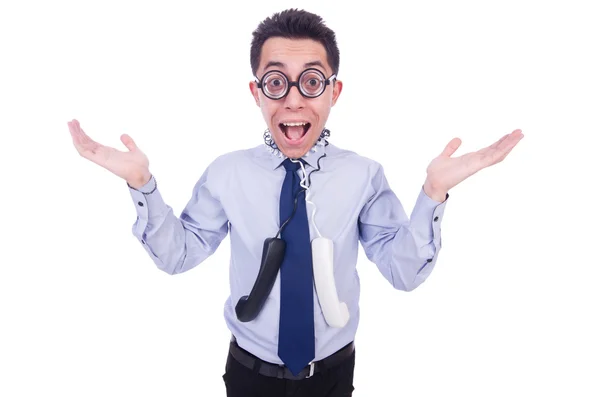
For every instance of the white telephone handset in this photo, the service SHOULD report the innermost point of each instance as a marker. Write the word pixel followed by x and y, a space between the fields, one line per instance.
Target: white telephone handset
pixel 335 312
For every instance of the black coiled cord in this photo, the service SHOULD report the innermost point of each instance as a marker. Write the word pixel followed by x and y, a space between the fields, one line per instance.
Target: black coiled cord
pixel 302 190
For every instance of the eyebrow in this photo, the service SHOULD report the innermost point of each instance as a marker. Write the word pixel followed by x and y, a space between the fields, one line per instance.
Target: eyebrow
pixel 282 65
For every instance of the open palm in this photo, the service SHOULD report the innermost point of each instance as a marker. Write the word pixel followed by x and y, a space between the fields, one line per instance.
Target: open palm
pixel 445 172
pixel 130 165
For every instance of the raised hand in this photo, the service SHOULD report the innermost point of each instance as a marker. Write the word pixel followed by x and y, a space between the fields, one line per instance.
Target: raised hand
pixel 445 172
pixel 132 165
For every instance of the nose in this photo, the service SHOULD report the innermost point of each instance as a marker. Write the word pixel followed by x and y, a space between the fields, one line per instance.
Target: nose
pixel 294 100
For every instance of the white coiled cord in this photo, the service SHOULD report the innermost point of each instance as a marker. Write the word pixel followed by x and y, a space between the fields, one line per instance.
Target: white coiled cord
pixel 303 184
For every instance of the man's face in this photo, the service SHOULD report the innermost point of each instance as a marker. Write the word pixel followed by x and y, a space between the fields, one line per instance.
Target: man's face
pixel 292 57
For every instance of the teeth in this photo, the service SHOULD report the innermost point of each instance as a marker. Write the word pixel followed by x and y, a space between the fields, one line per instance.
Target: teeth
pixel 294 124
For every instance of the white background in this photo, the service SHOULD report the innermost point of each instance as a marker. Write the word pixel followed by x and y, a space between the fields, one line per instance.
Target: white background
pixel 512 306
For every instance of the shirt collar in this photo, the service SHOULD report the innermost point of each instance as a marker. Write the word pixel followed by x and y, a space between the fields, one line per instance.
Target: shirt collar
pixel 276 158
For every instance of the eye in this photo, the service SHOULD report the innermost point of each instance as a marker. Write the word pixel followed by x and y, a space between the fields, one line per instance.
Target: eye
pixel 275 85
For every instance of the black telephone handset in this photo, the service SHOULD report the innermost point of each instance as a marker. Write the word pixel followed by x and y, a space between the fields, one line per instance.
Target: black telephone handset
pixel 249 306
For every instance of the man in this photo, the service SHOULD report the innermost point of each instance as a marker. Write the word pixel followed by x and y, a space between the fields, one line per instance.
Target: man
pixel 286 337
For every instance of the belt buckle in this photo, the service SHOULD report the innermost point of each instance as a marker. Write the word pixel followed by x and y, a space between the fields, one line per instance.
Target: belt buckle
pixel 311 372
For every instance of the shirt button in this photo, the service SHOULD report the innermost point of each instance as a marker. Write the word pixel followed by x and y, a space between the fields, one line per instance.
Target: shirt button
pixel 434 219
pixel 143 242
pixel 429 260
pixel 140 204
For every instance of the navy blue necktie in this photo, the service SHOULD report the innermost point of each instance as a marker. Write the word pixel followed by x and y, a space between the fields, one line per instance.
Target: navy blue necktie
pixel 296 318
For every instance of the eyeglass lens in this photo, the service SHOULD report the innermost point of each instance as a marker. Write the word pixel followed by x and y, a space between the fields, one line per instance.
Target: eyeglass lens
pixel 312 83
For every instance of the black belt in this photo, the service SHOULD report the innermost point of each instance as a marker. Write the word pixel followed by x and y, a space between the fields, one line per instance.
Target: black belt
pixel 282 372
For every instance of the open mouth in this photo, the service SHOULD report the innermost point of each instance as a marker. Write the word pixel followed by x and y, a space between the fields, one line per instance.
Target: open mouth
pixel 294 131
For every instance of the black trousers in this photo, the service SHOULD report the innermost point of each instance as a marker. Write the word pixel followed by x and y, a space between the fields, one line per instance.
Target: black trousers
pixel 336 381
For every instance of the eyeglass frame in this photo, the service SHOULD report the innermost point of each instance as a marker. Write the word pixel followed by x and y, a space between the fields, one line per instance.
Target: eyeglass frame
pixel 290 84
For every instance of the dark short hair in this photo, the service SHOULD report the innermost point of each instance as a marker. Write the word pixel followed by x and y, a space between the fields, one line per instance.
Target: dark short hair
pixel 295 24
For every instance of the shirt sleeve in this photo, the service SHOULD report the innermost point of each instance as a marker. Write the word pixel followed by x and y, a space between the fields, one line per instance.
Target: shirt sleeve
pixel 177 244
pixel 404 249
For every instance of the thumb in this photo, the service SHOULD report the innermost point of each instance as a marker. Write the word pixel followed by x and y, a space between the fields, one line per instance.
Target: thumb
pixel 451 147
pixel 128 142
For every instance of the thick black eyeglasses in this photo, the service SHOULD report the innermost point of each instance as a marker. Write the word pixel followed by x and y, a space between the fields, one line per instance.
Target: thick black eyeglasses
pixel 311 83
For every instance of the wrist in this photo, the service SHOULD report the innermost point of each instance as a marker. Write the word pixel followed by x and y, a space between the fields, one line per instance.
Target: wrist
pixel 140 180
pixel 435 193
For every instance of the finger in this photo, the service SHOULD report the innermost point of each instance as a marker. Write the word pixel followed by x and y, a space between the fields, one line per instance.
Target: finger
pixel 511 140
pixel 75 131
pixel 71 129
pixel 507 146
pixel 499 142
pixel 451 147
pixel 128 142
pixel 84 137
pixel 75 134
pixel 86 147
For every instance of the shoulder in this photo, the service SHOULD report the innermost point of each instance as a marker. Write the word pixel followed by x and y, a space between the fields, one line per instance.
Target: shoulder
pixel 353 160
pixel 224 170
pixel 234 159
pixel 230 166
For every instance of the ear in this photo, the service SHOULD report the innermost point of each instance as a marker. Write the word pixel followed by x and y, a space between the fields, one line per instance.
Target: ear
pixel 254 90
pixel 337 90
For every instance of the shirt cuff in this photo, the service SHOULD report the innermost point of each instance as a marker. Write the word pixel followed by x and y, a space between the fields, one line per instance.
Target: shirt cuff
pixel 427 216
pixel 148 204
pixel 148 187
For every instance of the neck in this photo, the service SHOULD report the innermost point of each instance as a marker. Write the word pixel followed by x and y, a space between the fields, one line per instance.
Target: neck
pixel 272 146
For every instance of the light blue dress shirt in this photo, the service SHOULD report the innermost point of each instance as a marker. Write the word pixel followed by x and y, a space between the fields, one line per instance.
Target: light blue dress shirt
pixel 239 194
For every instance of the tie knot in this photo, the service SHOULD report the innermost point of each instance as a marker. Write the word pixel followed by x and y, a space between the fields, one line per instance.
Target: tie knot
pixel 291 166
